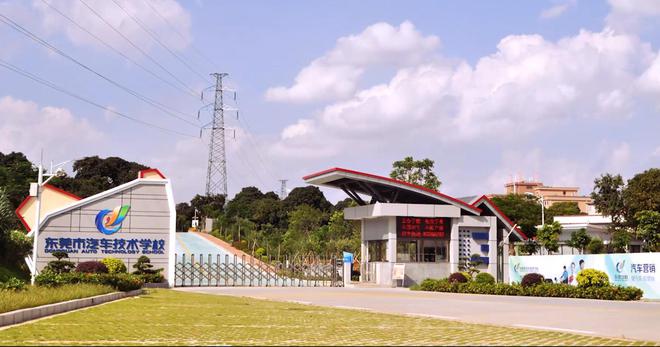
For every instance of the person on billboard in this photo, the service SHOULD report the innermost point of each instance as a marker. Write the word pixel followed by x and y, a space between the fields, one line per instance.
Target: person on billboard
pixel 572 278
pixel 564 276
pixel 581 263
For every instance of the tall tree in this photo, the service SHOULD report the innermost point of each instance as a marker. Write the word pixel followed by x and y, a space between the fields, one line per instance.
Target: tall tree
pixel 579 239
pixel 548 236
pixel 642 193
pixel 242 203
pixel 419 172
pixel 94 175
pixel 521 209
pixel 309 195
pixel 16 173
pixel 648 229
pixel 564 208
pixel 608 197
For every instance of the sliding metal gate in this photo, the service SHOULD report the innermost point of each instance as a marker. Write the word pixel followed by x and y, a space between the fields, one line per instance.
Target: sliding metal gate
pixel 217 271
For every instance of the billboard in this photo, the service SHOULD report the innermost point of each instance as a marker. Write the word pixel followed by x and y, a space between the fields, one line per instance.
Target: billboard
pixel 625 269
pixel 422 227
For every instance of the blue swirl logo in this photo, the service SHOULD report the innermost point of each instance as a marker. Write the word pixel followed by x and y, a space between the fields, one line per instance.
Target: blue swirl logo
pixel 109 221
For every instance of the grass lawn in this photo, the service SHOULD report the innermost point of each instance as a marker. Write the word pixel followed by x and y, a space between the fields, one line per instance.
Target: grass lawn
pixel 170 317
pixel 37 296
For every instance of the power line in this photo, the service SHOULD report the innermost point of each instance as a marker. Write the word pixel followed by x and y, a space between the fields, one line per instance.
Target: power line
pixel 17 27
pixel 60 89
pixel 74 22
pixel 155 37
pixel 173 27
pixel 98 15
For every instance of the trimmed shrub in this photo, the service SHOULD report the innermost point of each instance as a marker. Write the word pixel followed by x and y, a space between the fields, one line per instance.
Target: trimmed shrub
pixel 120 281
pixel 484 278
pixel 531 279
pixel 60 266
pixel 152 278
pixel 592 278
pixel 144 266
pixel 458 277
pixel 92 267
pixel 558 290
pixel 114 265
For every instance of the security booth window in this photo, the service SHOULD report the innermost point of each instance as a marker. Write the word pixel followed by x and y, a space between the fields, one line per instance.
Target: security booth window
pixel 406 251
pixel 377 250
pixel 422 239
pixel 434 251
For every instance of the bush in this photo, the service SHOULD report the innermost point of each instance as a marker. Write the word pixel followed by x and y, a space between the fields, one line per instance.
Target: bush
pixel 120 281
pixel 152 278
pixel 596 246
pixel 531 279
pixel 60 266
pixel 92 267
pixel 13 284
pixel 144 266
pixel 592 278
pixel 114 265
pixel 558 290
pixel 458 277
pixel 484 278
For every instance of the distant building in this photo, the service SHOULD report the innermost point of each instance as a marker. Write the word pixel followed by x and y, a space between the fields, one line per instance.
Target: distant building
pixel 595 225
pixel 551 195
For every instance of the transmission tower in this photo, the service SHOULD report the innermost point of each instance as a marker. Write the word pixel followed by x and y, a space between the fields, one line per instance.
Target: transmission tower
pixel 216 175
pixel 283 189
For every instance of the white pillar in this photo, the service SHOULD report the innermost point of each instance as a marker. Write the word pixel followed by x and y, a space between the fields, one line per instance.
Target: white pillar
pixel 453 245
pixel 492 247
pixel 505 270
pixel 364 253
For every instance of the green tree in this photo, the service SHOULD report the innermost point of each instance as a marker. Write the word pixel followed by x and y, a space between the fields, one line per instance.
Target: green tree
pixel 596 246
pixel 528 247
pixel 642 193
pixel 548 236
pixel 608 197
pixel 521 209
pixel 242 205
pixel 419 172
pixel 309 195
pixel 648 229
pixel 564 208
pixel 620 240
pixel 16 173
pixel 579 239
pixel 303 221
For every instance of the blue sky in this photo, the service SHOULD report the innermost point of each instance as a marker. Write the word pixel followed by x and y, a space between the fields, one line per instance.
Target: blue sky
pixel 561 91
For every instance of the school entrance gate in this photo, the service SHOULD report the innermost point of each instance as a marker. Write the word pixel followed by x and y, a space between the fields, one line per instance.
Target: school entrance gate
pixel 215 270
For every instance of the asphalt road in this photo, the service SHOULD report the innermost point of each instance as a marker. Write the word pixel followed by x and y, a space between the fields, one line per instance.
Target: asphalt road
pixel 631 320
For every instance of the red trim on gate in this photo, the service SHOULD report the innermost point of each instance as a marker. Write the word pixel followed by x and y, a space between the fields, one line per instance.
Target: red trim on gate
pixel 434 192
pixel 500 213
pixel 142 172
pixel 25 201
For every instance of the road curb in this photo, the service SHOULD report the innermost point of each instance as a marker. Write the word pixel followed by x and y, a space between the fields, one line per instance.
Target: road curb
pixel 27 314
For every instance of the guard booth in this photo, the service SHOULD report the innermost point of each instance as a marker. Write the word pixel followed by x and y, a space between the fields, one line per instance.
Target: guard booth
pixel 427 234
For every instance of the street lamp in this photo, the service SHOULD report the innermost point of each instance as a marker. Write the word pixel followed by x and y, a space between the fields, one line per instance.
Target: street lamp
pixel 542 207
pixel 35 190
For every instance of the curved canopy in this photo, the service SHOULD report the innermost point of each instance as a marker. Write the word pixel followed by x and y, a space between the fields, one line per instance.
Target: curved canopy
pixel 383 189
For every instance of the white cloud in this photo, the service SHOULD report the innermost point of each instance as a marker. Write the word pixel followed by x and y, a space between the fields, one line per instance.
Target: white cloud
pixel 336 74
pixel 554 11
pixel 528 84
pixel 28 128
pixel 656 153
pixel 649 81
pixel 169 9
pixel 629 15
pixel 619 157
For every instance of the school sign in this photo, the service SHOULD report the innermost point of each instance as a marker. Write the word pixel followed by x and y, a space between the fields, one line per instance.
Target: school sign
pixel 126 222
pixel 625 269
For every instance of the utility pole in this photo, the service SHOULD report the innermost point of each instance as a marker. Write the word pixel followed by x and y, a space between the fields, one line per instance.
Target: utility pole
pixel 283 189
pixel 216 175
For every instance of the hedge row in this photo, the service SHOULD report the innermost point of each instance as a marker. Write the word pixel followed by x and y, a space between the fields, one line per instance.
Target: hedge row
pixel 121 281
pixel 557 290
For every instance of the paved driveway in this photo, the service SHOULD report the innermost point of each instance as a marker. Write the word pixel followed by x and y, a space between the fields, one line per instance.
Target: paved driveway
pixel 632 320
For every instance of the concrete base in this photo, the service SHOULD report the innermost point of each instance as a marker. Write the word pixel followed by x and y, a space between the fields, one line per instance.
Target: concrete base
pixel 26 314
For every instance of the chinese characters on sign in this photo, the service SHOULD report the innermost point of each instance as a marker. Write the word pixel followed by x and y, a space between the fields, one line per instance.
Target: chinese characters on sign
pixel 104 245
pixel 420 227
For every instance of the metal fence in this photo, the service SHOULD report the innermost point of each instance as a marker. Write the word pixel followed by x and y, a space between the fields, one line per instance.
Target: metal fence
pixel 218 271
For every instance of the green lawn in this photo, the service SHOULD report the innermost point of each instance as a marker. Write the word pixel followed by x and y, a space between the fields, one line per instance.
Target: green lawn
pixel 36 296
pixel 172 317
